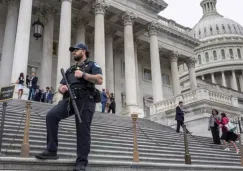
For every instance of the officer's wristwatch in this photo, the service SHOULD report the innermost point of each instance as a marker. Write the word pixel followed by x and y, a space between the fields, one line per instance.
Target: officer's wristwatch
pixel 83 75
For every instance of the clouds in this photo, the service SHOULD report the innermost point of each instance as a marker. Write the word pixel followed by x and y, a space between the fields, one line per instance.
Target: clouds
pixel 189 12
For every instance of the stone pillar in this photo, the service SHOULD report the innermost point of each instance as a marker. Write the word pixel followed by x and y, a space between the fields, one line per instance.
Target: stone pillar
pixel 213 78
pixel 136 44
pixel 155 63
pixel 9 43
pixel 110 85
pixel 100 7
pixel 175 74
pixel 64 39
pixel 223 79
pixel 21 51
pixel 241 82
pixel 130 72
pixel 192 74
pixel 233 81
pixel 49 13
pixel 79 23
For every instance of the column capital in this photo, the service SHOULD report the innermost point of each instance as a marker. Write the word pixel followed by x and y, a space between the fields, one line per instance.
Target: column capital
pixel 153 28
pixel 191 62
pixel 174 56
pixel 78 21
pixel 100 6
pixel 109 31
pixel 128 17
pixel 11 2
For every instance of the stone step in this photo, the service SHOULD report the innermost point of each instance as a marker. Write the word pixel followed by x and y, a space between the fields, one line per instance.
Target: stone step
pixel 118 157
pixel 6 163
pixel 71 152
pixel 107 146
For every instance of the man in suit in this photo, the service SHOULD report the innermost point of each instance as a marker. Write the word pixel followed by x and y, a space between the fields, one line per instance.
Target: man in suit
pixel 179 116
pixel 32 86
pixel 103 100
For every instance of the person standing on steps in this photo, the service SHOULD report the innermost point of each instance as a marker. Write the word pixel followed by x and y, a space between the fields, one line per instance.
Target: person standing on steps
pixel 214 127
pixel 82 79
pixel 180 112
pixel 103 100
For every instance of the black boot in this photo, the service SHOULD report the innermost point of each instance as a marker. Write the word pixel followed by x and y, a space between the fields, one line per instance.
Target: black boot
pixel 79 168
pixel 47 155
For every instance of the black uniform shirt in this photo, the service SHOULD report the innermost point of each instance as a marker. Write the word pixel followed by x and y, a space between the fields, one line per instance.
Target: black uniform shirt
pixel 95 69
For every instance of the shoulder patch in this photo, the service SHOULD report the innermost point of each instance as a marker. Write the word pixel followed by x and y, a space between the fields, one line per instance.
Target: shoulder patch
pixel 96 65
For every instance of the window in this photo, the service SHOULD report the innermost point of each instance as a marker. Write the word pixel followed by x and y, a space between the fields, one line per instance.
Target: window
pixel 199 59
pixel 223 28
pixel 54 48
pixel 199 33
pixel 223 54
pixel 215 55
pixel 239 53
pixel 231 54
pixel 166 79
pixel 205 31
pixel 217 28
pixel 207 57
pixel 147 75
pixel 211 29
pixel 229 28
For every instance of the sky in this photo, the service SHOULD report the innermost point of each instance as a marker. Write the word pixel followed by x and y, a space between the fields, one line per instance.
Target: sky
pixel 189 12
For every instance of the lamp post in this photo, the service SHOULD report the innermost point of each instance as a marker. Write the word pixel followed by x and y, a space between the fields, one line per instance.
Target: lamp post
pixel 38 27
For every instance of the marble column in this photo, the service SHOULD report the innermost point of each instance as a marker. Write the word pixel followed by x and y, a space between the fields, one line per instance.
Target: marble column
pixel 155 63
pixel 100 7
pixel 79 24
pixel 192 74
pixel 175 74
pixel 21 51
pixel 223 79
pixel 49 13
pixel 233 81
pixel 241 81
pixel 110 85
pixel 9 43
pixel 64 39
pixel 130 72
pixel 136 44
pixel 213 78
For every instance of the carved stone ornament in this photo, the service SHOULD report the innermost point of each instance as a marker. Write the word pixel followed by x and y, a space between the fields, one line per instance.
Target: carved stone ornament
pixel 191 62
pixel 128 17
pixel 100 6
pixel 79 21
pixel 174 55
pixel 11 2
pixel 153 28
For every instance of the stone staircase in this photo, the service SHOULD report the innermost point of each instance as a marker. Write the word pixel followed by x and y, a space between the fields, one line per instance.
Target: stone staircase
pixel 160 148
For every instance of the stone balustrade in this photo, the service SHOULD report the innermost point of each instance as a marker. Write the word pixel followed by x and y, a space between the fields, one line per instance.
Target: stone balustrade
pixel 200 94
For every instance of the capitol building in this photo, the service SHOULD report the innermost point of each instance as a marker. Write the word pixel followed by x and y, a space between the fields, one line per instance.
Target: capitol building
pixel 149 62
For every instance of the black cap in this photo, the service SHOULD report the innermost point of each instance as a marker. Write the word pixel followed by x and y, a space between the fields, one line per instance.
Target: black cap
pixel 79 46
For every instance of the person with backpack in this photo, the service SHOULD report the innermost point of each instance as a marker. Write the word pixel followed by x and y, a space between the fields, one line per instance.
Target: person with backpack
pixel 228 134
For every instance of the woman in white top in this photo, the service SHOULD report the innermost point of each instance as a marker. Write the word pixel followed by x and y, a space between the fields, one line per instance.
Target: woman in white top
pixel 20 83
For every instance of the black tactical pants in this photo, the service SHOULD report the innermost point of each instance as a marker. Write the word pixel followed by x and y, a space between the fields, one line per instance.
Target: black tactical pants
pixel 59 112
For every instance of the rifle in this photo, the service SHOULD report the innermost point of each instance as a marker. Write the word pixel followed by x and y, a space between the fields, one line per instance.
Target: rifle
pixel 75 108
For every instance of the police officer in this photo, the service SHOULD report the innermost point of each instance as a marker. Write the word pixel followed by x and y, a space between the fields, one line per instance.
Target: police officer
pixel 82 79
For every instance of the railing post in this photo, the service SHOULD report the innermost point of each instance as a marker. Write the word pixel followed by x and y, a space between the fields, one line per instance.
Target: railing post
pixel 25 148
pixel 135 144
pixel 187 154
pixel 2 123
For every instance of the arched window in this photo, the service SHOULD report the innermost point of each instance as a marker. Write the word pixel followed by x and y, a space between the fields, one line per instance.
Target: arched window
pixel 223 54
pixel 211 29
pixel 231 54
pixel 199 33
pixel 223 28
pixel 199 59
pixel 217 28
pixel 239 53
pixel 215 55
pixel 205 31
pixel 229 28
pixel 207 57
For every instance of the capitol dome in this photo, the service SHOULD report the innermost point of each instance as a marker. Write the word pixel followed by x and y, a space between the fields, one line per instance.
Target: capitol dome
pixel 213 25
